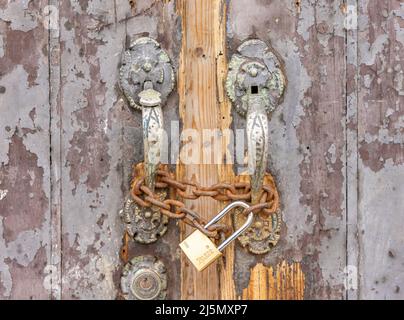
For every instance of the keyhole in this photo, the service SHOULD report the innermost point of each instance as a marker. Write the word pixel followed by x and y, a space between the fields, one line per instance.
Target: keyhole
pixel 146 283
pixel 254 89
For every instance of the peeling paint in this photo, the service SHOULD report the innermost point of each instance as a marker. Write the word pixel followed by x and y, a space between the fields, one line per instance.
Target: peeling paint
pixel 26 282
pixel 381 152
pixel 382 70
pixel 381 232
pixel 88 154
pixel 22 176
pixel 322 135
pixel 15 44
pixel 22 15
pixel 95 156
pixel 24 150
pixel 369 52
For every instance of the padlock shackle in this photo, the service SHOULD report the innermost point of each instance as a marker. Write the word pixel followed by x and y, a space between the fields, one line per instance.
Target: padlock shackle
pixel 222 213
pixel 235 235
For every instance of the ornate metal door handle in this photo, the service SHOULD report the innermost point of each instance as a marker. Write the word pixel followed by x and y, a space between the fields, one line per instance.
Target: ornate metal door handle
pixel 147 79
pixel 153 126
pixel 255 84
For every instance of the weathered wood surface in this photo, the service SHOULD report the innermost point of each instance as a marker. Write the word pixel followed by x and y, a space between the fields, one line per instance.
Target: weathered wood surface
pixel 24 153
pixel 101 138
pixel 307 136
pixel 204 105
pixel 68 141
pixel 381 149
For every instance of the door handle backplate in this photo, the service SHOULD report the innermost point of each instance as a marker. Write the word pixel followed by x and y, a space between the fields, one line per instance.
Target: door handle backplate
pixel 256 84
pixel 147 79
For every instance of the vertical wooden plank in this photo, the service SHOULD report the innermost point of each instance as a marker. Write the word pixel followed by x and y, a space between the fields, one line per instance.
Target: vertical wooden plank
pixel 203 105
pixel 25 243
pixel 101 138
pixel 351 269
pixel 160 21
pixel 91 47
pixel 381 151
pixel 55 123
pixel 307 140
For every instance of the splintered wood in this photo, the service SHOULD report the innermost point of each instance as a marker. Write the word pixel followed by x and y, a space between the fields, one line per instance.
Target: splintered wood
pixel 284 282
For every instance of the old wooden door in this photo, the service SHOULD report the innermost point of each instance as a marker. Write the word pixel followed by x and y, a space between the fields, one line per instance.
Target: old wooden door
pixel 69 140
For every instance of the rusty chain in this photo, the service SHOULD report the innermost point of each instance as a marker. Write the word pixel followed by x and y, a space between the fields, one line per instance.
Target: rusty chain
pixel 188 190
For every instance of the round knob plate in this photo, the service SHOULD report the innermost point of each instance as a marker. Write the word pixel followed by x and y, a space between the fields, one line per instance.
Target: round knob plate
pixel 144 278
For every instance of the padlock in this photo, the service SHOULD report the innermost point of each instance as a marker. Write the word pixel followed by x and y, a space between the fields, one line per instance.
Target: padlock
pixel 201 251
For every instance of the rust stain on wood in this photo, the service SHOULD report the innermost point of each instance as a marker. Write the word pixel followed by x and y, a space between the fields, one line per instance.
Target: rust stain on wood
pixel 283 282
pixel 124 253
pixel 298 5
pixel 132 4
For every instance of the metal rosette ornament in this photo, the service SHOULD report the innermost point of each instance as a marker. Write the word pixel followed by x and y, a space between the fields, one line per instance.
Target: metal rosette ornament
pixel 256 84
pixel 146 61
pixel 144 225
pixel 265 230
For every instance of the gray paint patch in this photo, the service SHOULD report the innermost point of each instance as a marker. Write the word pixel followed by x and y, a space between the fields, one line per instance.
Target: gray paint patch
pixel 381 236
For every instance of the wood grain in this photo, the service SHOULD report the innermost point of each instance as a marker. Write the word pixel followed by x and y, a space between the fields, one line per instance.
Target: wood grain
pixel 283 282
pixel 203 105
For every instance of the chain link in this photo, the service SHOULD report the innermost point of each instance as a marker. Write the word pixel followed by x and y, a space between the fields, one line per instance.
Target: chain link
pixel 188 190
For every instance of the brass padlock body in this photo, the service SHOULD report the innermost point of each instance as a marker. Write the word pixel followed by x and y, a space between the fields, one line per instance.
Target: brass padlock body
pixel 198 247
pixel 200 250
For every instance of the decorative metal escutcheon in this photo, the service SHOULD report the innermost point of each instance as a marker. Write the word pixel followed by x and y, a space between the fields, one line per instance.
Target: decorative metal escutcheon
pixel 256 84
pixel 144 278
pixel 147 79
pixel 146 61
pixel 264 232
pixel 144 225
